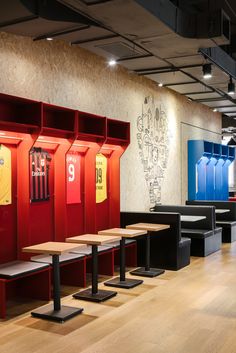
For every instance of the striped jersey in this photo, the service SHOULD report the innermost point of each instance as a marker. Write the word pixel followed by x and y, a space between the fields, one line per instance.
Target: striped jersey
pixel 39 174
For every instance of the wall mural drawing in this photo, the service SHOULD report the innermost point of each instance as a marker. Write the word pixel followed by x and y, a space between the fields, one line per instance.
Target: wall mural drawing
pixel 153 142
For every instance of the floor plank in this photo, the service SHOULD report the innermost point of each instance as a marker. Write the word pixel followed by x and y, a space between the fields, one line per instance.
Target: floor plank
pixel 189 311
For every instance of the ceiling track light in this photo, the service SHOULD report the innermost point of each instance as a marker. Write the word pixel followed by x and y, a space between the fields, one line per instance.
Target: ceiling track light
pixel 207 71
pixel 231 87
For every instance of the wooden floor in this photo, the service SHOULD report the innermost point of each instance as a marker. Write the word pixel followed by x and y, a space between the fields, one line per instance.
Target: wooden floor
pixel 189 311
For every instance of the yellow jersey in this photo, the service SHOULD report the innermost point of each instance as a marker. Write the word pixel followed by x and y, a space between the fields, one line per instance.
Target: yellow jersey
pixel 101 178
pixel 5 176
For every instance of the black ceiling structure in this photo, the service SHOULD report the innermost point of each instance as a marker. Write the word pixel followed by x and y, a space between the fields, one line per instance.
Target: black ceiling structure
pixel 166 41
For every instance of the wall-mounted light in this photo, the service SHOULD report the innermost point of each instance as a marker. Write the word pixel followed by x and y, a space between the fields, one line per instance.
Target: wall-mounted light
pixel 215 110
pixel 112 62
pixel 231 87
pixel 49 38
pixel 160 84
pixel 207 71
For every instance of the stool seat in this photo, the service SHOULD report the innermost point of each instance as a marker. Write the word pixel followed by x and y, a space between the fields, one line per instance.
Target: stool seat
pixel 17 268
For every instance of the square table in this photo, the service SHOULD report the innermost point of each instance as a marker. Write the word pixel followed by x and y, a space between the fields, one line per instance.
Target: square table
pixel 93 294
pixel 147 271
pixel 55 311
pixel 122 282
pixel 221 210
pixel 189 218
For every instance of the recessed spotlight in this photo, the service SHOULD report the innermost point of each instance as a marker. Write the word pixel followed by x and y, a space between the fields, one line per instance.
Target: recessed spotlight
pixel 49 38
pixel 231 87
pixel 160 84
pixel 112 62
pixel 207 72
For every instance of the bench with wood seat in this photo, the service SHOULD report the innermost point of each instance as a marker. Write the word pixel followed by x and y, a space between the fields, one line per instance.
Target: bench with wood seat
pixel 226 220
pixel 72 267
pixel 130 250
pixel 205 237
pixel 24 279
pixel 105 256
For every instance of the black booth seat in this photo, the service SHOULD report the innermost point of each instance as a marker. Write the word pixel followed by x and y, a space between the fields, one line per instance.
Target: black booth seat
pixel 205 237
pixel 227 220
pixel 168 249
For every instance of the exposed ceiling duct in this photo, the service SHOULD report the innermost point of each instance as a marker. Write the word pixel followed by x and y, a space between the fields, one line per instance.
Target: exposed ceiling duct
pixel 55 11
pixel 213 24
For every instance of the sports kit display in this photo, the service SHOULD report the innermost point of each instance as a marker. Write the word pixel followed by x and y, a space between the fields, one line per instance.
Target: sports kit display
pixel 39 174
pixel 101 178
pixel 73 178
pixel 5 176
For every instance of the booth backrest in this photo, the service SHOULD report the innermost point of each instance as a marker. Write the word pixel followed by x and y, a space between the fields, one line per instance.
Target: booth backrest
pixel 173 219
pixel 207 211
pixel 228 205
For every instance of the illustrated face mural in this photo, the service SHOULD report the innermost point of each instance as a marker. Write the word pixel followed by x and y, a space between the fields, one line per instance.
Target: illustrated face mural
pixel 153 143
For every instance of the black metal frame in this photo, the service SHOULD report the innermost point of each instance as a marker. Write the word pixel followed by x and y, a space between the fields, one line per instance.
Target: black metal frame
pixel 147 271
pixel 122 281
pixel 56 312
pixel 94 294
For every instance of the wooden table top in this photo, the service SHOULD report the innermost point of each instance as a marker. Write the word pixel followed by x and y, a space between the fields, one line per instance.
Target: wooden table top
pixel 222 210
pixel 91 239
pixel 51 248
pixel 151 227
pixel 122 232
pixel 188 218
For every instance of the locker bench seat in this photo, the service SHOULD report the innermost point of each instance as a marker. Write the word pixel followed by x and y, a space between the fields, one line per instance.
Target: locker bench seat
pixel 23 279
pixel 72 267
pixel 106 258
pixel 63 259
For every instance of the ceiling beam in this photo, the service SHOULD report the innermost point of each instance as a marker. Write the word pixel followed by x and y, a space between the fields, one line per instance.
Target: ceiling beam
pixel 94 39
pixel 60 33
pixel 18 20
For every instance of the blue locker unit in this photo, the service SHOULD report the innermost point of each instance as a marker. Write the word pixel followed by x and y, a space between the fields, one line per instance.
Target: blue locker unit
pixel 219 174
pixel 199 154
pixel 225 172
pixel 208 170
pixel 228 154
pixel 210 178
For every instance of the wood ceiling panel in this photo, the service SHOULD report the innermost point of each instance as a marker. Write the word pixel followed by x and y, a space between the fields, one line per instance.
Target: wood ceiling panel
pixel 204 95
pixel 168 78
pixel 190 88
pixel 143 63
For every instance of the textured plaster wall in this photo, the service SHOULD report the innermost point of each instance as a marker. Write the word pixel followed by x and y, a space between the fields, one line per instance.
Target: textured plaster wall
pixel 59 74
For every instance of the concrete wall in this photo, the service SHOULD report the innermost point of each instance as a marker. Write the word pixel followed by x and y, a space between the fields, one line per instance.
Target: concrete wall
pixel 154 168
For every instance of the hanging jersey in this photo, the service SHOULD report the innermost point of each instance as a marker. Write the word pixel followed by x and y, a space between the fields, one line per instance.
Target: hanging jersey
pixel 5 176
pixel 39 174
pixel 101 178
pixel 73 178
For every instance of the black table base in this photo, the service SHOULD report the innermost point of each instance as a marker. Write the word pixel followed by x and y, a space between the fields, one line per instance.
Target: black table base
pixel 127 283
pixel 147 271
pixel 152 272
pixel 48 313
pixel 98 297
pixel 94 294
pixel 122 281
pixel 56 312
